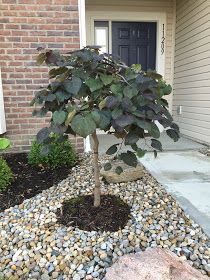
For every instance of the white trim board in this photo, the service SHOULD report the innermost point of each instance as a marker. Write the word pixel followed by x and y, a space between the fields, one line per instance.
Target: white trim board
pixel 2 113
pixel 82 33
pixel 159 18
pixel 82 25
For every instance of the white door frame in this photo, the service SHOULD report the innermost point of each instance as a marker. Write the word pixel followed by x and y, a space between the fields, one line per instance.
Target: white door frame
pixel 2 112
pixel 159 18
pixel 86 27
pixel 82 36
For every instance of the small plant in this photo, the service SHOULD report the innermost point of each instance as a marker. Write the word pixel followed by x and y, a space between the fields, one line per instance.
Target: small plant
pixel 89 91
pixel 61 153
pixel 4 143
pixel 6 175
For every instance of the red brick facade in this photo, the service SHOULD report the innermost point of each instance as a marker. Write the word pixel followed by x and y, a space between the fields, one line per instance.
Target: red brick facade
pixel 24 26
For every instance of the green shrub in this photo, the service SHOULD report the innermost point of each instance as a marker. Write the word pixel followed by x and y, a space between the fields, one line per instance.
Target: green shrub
pixel 60 154
pixel 6 175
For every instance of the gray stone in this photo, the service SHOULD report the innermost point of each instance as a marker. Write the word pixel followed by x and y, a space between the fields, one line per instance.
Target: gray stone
pixel 129 173
pixel 76 277
pixel 193 257
pixel 95 274
pixel 45 277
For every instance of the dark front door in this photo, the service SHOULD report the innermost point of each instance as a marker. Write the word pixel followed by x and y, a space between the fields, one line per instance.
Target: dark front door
pixel 135 43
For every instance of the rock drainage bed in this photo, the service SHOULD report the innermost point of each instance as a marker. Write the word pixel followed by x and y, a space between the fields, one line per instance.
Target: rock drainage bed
pixel 33 245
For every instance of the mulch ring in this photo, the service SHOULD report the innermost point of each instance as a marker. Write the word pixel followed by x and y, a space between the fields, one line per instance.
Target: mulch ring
pixel 28 180
pixel 111 215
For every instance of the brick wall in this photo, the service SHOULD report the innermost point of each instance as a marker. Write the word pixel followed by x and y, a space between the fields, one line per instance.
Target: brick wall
pixel 24 26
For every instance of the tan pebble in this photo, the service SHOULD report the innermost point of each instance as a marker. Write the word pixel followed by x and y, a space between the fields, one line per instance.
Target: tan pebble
pixel 100 239
pixel 13 267
pixel 103 256
pixel 19 272
pixel 207 252
pixel 62 266
pixel 25 270
pixel 130 237
pixel 66 270
pixel 49 250
pixel 89 253
pixel 55 275
pixel 7 261
pixel 48 255
pixel 52 244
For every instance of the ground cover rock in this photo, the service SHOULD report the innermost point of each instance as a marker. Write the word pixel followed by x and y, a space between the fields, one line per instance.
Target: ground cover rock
pixel 30 246
pixel 129 173
pixel 153 264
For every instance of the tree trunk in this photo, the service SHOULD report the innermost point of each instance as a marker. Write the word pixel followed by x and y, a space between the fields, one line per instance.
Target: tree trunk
pixel 97 190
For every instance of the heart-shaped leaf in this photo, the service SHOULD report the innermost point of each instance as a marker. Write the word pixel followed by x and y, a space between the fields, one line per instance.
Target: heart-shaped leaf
pixel 124 120
pixel 73 86
pixel 107 166
pixel 116 113
pixel 43 135
pixel 117 89
pixel 96 117
pixel 83 125
pixel 140 153
pixel 129 158
pixel 59 117
pixel 173 134
pixel 130 91
pixel 119 170
pixel 112 150
pixel 112 101
pixel 94 84
pixel 106 79
pixel 156 144
pixel 131 138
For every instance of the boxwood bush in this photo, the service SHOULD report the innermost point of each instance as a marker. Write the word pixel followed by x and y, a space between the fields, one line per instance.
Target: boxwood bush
pixel 6 175
pixel 61 153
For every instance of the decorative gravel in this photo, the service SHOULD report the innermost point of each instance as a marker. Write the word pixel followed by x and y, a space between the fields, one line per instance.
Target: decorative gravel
pixel 34 246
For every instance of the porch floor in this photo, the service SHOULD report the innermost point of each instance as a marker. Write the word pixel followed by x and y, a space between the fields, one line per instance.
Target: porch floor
pixel 183 144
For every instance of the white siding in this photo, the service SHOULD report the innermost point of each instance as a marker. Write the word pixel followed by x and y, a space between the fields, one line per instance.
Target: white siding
pixel 158 6
pixel 192 68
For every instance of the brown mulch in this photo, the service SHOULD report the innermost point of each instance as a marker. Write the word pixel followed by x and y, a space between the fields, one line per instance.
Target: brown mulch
pixel 111 215
pixel 28 180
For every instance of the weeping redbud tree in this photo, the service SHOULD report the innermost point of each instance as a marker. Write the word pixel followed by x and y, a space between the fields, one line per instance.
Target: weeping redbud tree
pixel 89 91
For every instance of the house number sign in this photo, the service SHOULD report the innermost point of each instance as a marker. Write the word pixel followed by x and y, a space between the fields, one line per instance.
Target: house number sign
pixel 163 41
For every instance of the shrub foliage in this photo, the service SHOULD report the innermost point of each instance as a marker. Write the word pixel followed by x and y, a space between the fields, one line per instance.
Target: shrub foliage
pixel 61 153
pixel 6 175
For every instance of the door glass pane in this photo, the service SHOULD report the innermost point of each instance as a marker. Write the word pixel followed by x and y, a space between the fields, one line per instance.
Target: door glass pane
pixel 102 35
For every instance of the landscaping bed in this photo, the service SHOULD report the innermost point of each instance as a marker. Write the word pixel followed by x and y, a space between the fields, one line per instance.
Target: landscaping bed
pixel 28 180
pixel 34 245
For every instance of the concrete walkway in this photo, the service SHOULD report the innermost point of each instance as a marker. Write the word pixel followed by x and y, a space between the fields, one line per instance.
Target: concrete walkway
pixel 182 170
pixel 186 176
pixel 184 144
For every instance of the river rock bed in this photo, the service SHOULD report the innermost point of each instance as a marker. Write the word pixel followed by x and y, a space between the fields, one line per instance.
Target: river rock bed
pixel 34 246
